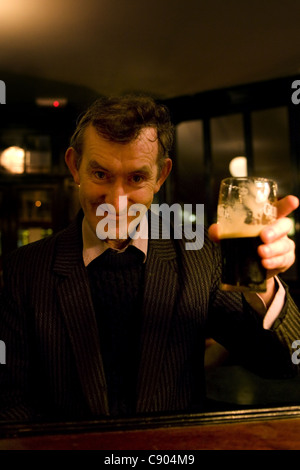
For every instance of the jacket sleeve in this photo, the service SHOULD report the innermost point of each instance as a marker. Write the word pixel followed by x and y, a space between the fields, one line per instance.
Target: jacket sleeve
pixel 14 374
pixel 239 328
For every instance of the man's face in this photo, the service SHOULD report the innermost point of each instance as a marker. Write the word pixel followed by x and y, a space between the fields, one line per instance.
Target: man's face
pixel 109 170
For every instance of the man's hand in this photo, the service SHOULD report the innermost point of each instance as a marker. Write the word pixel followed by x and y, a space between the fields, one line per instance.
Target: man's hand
pixel 277 250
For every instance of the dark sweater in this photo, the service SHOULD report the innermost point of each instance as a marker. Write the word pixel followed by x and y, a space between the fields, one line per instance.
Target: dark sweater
pixel 116 281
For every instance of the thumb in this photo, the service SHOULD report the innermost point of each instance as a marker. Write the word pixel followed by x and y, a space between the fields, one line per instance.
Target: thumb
pixel 213 232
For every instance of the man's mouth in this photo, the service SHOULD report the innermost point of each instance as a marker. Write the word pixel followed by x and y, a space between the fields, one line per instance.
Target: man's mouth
pixel 113 216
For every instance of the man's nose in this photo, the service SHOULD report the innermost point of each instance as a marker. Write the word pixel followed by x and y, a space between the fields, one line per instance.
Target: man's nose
pixel 117 197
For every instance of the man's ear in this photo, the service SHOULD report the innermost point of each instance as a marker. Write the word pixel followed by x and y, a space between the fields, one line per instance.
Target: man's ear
pixel 71 161
pixel 164 173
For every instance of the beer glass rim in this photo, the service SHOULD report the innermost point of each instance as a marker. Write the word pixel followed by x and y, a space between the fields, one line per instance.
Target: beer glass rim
pixel 231 179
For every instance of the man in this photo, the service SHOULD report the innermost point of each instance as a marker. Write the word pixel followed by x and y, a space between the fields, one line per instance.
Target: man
pixel 100 322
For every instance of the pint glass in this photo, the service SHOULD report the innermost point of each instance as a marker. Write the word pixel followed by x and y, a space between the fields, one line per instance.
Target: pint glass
pixel 245 206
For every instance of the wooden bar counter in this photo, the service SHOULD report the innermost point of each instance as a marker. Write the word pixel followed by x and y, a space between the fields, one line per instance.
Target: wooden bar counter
pixel 262 429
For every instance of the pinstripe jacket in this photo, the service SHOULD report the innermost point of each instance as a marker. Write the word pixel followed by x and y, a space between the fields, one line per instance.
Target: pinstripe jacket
pixel 53 357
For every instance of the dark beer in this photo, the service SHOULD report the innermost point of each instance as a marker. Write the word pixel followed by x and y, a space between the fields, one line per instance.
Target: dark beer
pixel 241 264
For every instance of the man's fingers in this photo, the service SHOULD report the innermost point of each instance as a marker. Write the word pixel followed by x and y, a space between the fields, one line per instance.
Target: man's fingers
pixel 281 246
pixel 286 205
pixel 278 264
pixel 276 230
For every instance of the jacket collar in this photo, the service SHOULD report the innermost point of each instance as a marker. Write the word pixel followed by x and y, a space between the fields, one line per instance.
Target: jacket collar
pixel 69 248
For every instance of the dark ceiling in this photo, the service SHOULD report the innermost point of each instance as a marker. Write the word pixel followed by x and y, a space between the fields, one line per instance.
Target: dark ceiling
pixel 167 48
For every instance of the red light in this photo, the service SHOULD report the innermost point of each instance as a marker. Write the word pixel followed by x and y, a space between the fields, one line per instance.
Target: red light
pixel 53 101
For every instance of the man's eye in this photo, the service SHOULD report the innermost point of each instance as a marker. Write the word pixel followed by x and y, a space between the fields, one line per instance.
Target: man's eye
pixel 137 178
pixel 100 175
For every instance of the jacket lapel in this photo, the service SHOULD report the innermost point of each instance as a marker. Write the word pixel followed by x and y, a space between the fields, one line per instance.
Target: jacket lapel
pixel 159 298
pixel 77 308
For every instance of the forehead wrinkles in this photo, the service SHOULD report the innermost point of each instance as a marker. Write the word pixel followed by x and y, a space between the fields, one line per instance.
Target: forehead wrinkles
pixel 145 145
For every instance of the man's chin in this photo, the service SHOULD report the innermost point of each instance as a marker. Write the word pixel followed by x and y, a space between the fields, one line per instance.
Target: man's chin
pixel 111 232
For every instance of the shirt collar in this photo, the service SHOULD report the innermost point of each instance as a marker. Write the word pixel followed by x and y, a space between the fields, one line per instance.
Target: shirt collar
pixel 94 246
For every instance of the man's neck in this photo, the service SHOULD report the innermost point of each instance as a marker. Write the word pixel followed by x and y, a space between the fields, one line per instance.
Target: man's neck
pixel 93 246
pixel 118 244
